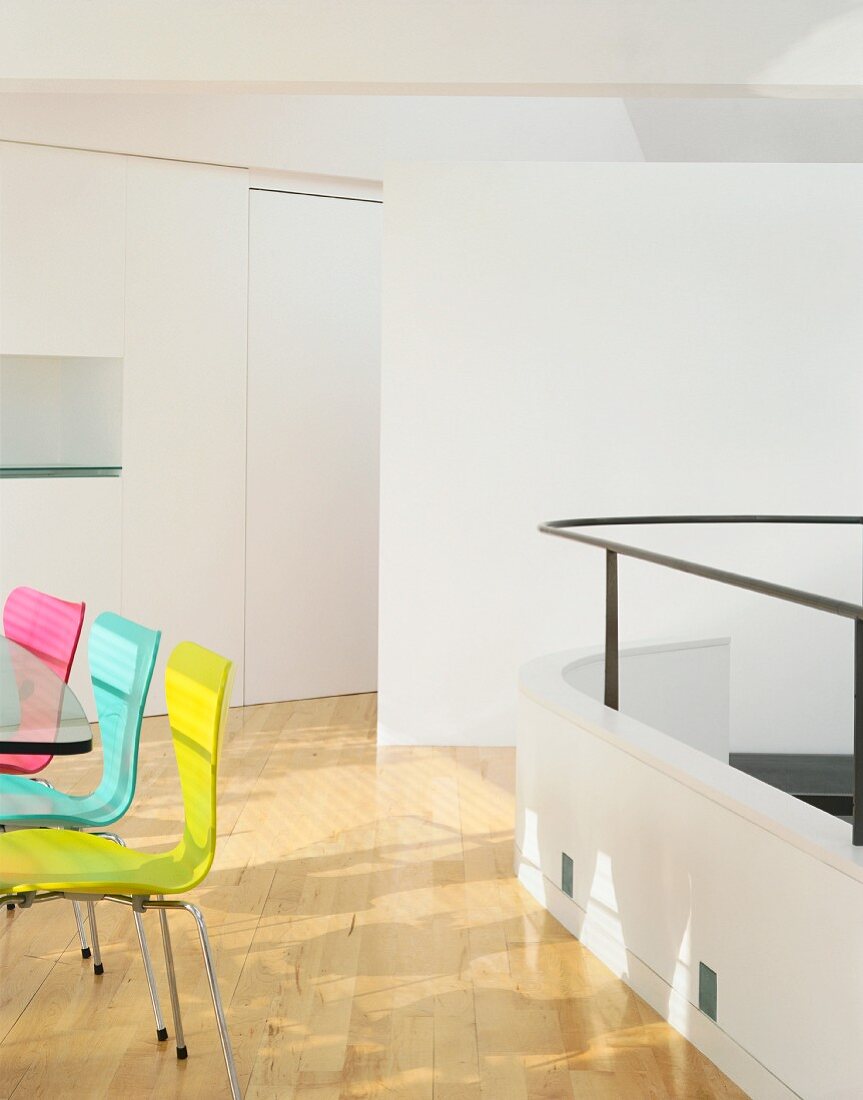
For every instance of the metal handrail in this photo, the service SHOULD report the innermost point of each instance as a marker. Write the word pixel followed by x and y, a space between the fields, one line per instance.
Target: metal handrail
pixel 569 529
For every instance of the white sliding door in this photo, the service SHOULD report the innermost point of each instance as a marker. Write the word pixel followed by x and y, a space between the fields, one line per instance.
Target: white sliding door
pixel 313 434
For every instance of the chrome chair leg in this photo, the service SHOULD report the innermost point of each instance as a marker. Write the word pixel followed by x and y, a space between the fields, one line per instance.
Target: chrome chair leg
pixel 182 1052
pixel 82 935
pixel 161 1030
pixel 216 996
pixel 98 968
pixel 217 1000
pixel 10 905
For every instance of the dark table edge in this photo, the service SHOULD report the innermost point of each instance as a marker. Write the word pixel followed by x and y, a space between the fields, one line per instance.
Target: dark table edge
pixel 45 748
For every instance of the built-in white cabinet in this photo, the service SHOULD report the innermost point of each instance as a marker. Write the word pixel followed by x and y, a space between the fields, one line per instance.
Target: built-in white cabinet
pixel 184 407
pixel 125 291
pixel 62 271
pixel 63 535
pixel 62 246
pixel 122 384
pixel 313 442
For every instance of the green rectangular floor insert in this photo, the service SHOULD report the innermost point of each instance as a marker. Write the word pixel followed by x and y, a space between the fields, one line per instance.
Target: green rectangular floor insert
pixel 707 990
pixel 566 875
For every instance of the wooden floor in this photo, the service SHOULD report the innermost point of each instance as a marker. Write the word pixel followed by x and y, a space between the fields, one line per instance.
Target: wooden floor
pixel 370 942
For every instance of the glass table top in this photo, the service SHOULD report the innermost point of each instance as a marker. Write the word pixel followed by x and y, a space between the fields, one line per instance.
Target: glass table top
pixel 39 714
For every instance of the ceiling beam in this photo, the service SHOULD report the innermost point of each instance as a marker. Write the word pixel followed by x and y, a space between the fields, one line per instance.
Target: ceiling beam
pixel 794 48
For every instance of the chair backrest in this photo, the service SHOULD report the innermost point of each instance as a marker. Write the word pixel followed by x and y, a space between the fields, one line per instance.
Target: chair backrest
pixel 198 690
pixel 47 626
pixel 122 655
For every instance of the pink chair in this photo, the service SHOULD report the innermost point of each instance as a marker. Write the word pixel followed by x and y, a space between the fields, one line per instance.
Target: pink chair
pixel 50 629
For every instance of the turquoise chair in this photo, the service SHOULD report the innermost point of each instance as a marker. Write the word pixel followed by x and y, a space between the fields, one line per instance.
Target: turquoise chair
pixel 122 656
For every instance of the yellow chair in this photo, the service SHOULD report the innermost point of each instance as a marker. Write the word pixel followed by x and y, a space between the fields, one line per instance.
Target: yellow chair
pixel 43 864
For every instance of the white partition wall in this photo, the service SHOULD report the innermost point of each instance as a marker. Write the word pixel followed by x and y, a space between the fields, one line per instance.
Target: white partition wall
pixel 184 407
pixel 678 862
pixel 565 340
pixel 313 422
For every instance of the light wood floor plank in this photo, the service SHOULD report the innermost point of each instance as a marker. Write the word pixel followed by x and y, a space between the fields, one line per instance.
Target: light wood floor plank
pixel 369 937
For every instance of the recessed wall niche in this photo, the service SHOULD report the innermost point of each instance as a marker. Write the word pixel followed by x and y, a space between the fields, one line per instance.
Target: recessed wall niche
pixel 60 416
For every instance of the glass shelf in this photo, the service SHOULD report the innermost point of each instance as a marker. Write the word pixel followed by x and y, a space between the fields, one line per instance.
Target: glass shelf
pixel 60 471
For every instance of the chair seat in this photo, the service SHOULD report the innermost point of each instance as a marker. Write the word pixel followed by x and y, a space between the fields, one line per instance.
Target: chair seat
pixel 27 802
pixel 55 859
pixel 23 765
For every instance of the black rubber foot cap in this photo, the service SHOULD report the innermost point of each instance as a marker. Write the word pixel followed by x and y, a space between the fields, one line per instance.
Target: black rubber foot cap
pixel 85 952
pixel 10 906
pixel 162 1034
pixel 182 1053
pixel 98 969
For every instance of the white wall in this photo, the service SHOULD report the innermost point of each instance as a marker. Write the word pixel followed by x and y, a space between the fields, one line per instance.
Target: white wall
pixel 331 136
pixel 313 443
pixel 184 399
pixel 384 46
pixel 618 339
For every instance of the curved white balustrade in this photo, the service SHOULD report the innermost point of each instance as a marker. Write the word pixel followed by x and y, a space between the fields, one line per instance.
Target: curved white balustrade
pixel 678 859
